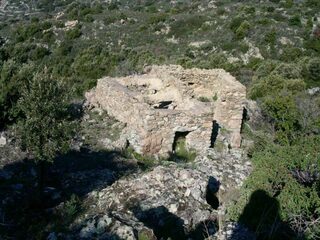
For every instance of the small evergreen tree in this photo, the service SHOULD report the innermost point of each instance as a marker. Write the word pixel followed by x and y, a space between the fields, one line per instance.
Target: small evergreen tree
pixel 45 129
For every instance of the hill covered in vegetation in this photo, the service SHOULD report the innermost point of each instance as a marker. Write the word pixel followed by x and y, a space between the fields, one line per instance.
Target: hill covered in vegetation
pixel 272 47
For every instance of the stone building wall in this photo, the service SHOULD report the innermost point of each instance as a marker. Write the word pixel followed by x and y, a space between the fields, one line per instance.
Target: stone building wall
pixel 169 99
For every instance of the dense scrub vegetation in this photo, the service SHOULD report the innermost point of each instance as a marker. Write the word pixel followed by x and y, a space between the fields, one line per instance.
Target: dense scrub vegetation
pixel 273 47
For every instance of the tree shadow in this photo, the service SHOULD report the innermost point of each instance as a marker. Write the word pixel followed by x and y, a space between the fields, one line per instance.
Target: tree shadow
pixel 88 170
pixel 261 216
pixel 75 173
pixel 166 225
pixel 203 230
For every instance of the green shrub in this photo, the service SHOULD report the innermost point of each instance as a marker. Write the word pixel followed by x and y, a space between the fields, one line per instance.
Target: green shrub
pixel 236 22
pixel 184 26
pixel 9 90
pixel 271 37
pixel 145 161
pixel 274 169
pixel 218 60
pixel 288 4
pixel 145 236
pixel 151 9
pixel 295 21
pixel 265 68
pixel 249 9
pixel 113 6
pixel 282 111
pixel 278 16
pixel 309 112
pixel 71 209
pixel 88 18
pixel 243 47
pixel 243 30
pixel 295 86
pixel 228 46
pixel 291 54
pixel 73 33
pixel 312 3
pixel 263 21
pixel 161 17
pixel 204 99
pixel 275 84
pixel 313 68
pixel 261 141
pixel 215 97
pixel 221 11
pixel 13 78
pixel 30 30
pixel 181 153
pixel 270 9
pixel 313 44
pixel 288 70
pixel 38 53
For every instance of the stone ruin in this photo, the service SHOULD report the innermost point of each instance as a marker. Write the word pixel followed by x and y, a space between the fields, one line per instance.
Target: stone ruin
pixel 168 102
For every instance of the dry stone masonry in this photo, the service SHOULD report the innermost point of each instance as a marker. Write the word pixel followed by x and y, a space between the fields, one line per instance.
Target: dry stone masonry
pixel 168 102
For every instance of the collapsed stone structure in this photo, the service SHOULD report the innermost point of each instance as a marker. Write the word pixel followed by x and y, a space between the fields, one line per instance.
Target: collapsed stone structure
pixel 168 102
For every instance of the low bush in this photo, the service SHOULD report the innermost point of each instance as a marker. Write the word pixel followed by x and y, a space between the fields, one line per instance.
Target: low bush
pixel 283 114
pixel 243 30
pixel 203 99
pixel 71 209
pixel 182 153
pixel 295 21
pixel 183 26
pixel 271 37
pixel 288 70
pixel 313 68
pixel 287 174
pixel 73 33
pixel 275 84
pixel 291 54
pixel 313 44
pixel 157 18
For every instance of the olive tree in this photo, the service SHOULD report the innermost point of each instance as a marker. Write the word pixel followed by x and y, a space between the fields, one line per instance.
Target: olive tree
pixel 46 128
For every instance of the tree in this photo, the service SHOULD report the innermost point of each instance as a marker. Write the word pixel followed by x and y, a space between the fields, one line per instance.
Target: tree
pixel 46 129
pixel 8 88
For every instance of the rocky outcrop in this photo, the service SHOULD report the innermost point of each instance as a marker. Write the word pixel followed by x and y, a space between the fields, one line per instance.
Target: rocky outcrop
pixel 168 101
pixel 172 200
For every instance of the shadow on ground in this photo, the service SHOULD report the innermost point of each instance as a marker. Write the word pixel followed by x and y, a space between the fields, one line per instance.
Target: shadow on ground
pixel 166 225
pixel 261 216
pixel 23 216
